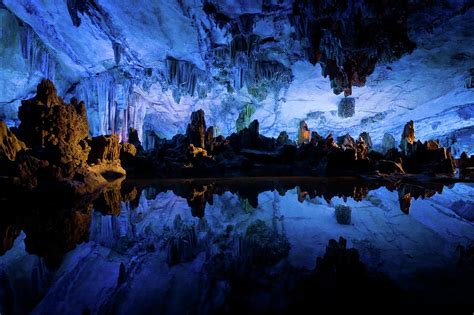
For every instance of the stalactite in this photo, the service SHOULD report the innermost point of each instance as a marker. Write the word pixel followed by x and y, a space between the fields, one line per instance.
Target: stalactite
pixel 184 78
pixel 36 56
pixel 113 105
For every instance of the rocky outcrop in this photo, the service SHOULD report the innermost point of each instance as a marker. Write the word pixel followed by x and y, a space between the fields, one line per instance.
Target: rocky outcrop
pixel 104 148
pixel 55 150
pixel 407 142
pixel 55 130
pixel 9 143
pixel 134 139
pixel 196 131
pixel 303 133
pixel 466 165
pixel 388 142
pixel 247 152
pixel 367 139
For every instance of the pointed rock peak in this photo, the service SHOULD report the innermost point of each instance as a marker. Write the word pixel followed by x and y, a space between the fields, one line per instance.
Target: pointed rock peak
pixel 46 93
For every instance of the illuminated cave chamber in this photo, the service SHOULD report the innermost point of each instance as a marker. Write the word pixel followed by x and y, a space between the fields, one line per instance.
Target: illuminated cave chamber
pixel 150 64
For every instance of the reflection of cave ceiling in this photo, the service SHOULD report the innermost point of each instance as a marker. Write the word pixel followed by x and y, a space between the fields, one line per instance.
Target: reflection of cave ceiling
pixel 148 64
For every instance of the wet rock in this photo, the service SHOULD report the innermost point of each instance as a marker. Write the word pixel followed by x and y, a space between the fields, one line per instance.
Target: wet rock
pixel 196 131
pixel 388 142
pixel 343 214
pixel 346 107
pixel 109 201
pixel 303 133
pixel 9 143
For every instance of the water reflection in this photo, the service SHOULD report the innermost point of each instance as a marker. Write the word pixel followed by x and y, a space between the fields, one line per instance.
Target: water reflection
pixel 247 245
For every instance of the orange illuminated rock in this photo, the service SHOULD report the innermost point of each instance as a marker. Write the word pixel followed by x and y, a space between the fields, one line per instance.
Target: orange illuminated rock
pixel 303 133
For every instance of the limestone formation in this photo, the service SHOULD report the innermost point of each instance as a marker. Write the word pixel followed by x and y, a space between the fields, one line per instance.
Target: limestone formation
pixel 303 133
pixel 367 139
pixel 209 138
pixel 196 131
pixel 9 143
pixel 346 107
pixel 104 148
pixel 283 138
pixel 134 139
pixel 388 142
pixel 54 129
pixel 407 142
pixel 343 214
pixel 55 146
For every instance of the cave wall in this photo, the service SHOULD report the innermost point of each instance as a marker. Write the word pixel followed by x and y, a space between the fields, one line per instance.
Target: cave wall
pixel 149 64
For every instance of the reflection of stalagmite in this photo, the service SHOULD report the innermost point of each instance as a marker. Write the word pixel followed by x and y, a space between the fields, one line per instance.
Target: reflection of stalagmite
pixel 404 197
pixel 8 234
pixel 408 138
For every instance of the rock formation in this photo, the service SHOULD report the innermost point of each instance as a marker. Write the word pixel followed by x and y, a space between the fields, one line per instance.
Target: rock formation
pixel 9 143
pixel 407 141
pixel 303 133
pixel 367 139
pixel 346 107
pixel 388 142
pixel 196 131
pixel 57 149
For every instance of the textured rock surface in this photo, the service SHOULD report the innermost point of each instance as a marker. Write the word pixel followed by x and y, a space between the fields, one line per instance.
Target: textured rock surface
pixel 54 128
pixel 346 107
pixel 104 148
pixel 196 131
pixel 303 133
pixel 222 56
pixel 9 143
pixel 57 149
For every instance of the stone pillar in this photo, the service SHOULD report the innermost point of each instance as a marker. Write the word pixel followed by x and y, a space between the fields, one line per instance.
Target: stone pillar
pixel 303 133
